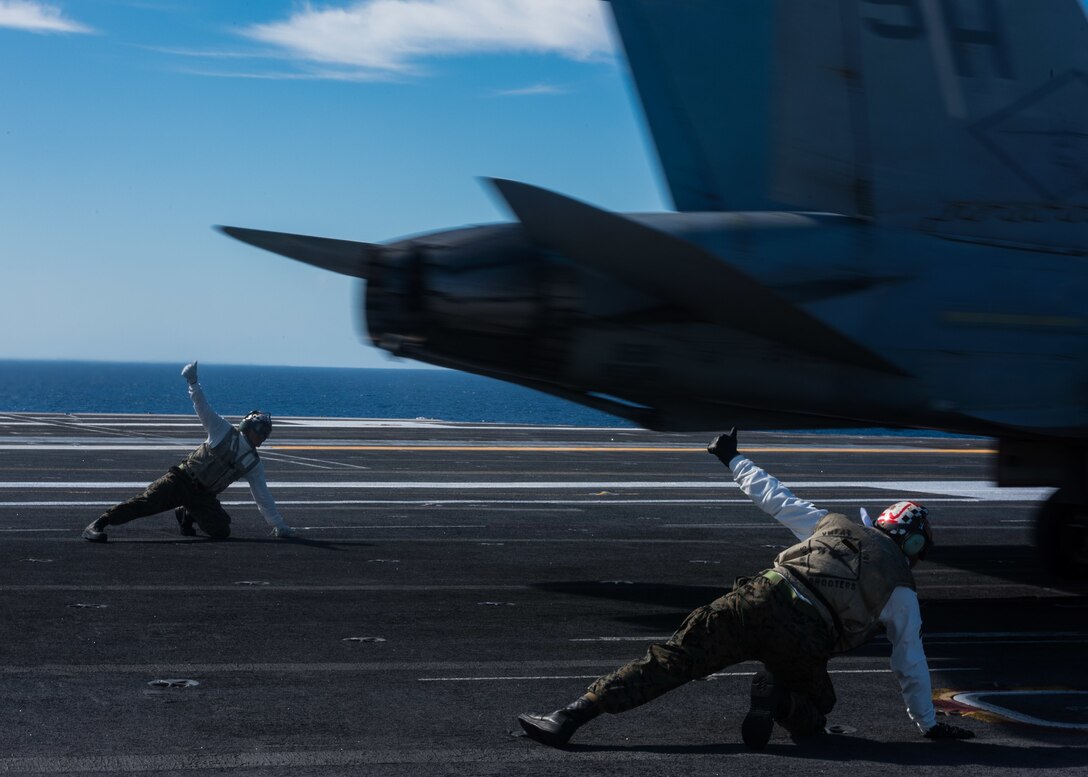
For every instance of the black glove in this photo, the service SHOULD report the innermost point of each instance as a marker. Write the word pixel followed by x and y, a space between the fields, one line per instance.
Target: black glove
pixel 724 446
pixel 948 731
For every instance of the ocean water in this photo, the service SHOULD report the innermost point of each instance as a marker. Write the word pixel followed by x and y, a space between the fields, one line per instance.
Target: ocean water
pixel 445 395
pixel 112 387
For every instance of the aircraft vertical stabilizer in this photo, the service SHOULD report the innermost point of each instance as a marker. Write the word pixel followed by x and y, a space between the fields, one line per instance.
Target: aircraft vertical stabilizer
pixel 703 74
pixel 963 118
pixel 975 114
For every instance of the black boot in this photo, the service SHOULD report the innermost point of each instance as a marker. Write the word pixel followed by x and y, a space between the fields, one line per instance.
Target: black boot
pixel 767 696
pixel 185 521
pixel 556 728
pixel 799 716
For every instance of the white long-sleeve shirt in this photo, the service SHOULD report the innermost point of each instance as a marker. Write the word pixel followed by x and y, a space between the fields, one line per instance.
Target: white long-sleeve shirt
pixel 901 616
pixel 218 428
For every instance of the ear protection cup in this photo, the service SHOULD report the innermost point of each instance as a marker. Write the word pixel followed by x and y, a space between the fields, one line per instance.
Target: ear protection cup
pixel 914 544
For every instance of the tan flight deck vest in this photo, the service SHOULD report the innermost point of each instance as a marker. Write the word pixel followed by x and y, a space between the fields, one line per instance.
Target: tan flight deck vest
pixel 217 467
pixel 851 570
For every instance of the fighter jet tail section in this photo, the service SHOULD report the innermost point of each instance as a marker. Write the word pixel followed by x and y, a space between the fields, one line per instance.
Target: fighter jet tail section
pixel 884 222
pixel 678 272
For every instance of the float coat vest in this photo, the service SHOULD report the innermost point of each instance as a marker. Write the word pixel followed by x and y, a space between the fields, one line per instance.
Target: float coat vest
pixel 215 468
pixel 851 570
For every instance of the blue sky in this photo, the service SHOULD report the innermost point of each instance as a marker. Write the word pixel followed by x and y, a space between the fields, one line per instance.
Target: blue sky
pixel 129 127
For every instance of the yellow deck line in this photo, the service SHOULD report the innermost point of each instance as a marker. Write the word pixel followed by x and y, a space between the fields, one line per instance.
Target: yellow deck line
pixel 614 449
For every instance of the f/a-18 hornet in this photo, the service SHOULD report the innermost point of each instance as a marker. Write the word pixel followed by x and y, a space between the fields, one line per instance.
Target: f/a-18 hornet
pixel 881 220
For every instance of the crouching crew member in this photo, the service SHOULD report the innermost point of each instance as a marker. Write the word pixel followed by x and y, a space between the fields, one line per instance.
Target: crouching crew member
pixel 825 595
pixel 192 487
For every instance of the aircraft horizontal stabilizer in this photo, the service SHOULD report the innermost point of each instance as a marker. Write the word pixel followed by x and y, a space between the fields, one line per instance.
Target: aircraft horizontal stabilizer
pixel 676 271
pixel 341 256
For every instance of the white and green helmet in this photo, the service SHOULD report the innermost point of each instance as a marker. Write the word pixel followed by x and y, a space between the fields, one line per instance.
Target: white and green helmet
pixel 258 421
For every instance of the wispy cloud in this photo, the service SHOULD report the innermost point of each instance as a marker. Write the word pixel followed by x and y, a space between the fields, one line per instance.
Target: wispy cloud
pixel 308 75
pixel 396 36
pixel 216 53
pixel 528 91
pixel 34 16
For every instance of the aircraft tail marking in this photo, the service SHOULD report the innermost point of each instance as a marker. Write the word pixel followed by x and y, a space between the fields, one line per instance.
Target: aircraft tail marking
pixel 964 118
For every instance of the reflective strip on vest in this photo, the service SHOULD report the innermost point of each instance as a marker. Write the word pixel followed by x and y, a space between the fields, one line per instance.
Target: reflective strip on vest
pixel 852 570
pixel 217 467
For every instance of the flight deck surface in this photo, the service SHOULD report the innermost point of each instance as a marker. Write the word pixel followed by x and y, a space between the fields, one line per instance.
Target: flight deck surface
pixel 449 576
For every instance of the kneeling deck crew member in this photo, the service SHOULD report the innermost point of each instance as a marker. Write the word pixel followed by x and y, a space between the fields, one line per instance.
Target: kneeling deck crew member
pixel 192 487
pixel 825 595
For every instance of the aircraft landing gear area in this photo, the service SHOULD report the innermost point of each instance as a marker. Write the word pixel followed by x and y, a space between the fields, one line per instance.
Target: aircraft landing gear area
pixel 1062 535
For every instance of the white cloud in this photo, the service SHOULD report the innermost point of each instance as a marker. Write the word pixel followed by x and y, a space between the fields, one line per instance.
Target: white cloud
pixel 34 16
pixel 393 36
pixel 533 90
pixel 309 75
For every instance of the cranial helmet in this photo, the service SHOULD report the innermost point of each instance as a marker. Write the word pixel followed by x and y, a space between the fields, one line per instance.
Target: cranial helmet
pixel 259 421
pixel 908 524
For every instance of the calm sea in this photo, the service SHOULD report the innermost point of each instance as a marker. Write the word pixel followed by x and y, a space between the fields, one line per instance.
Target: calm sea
pixel 109 387
pixel 122 387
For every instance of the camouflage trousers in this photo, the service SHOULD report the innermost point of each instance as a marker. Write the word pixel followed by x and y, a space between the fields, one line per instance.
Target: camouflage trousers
pixel 758 620
pixel 175 489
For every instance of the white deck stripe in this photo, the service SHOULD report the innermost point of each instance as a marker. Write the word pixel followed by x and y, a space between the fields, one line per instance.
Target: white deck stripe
pixel 341 761
pixel 974 489
pixel 35 447
pixel 196 670
pixel 592 502
pixel 715 676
